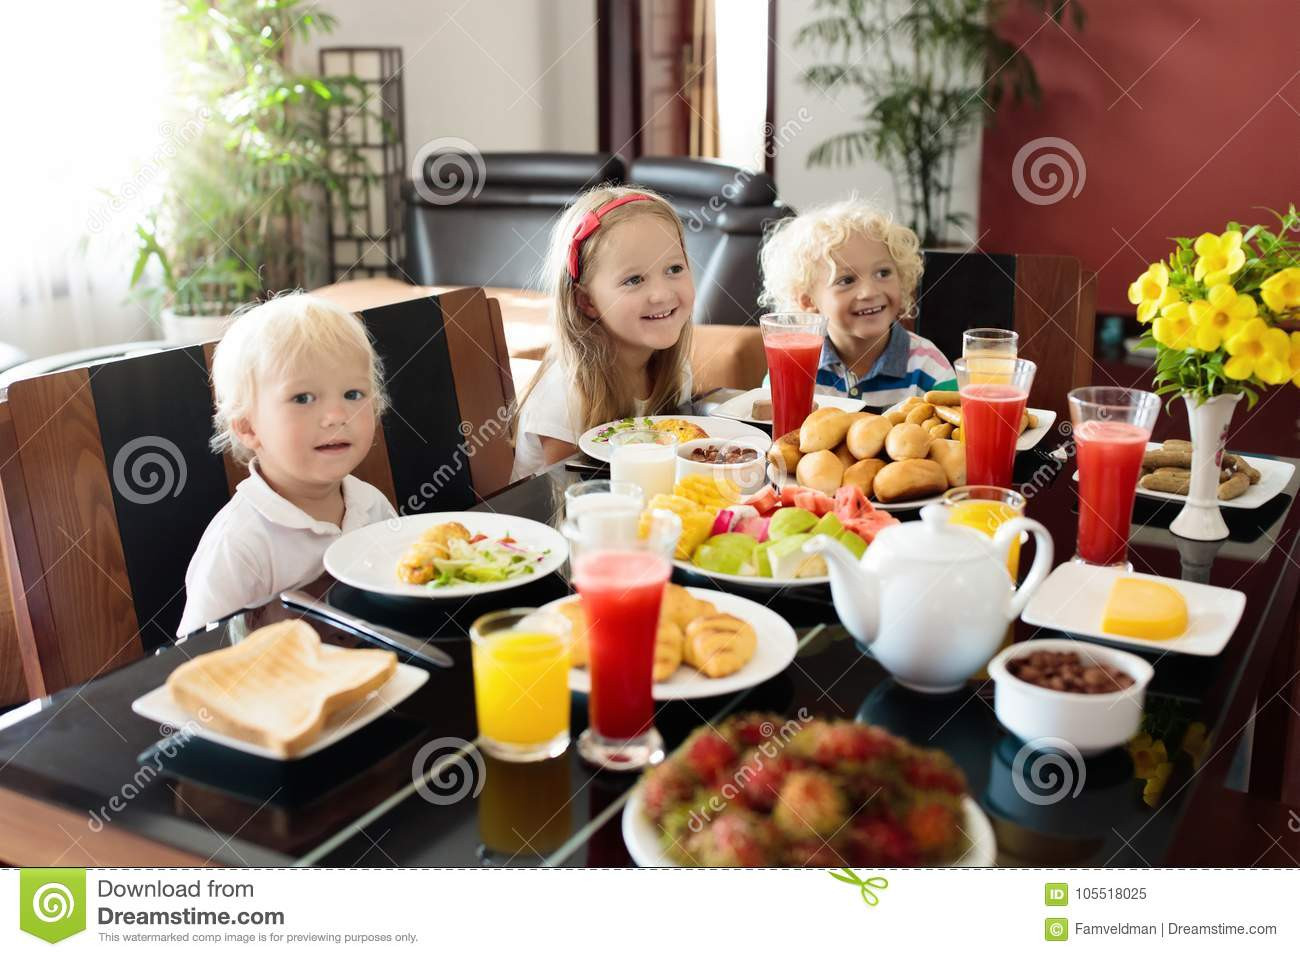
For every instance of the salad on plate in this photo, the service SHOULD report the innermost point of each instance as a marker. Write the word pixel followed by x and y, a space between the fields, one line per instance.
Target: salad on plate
pixel 448 554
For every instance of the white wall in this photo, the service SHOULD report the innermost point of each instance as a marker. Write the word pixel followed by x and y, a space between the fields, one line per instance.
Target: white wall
pixel 504 75
pixel 806 117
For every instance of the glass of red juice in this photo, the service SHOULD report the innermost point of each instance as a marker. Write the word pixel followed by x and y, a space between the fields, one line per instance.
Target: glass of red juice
pixel 994 392
pixel 620 571
pixel 1111 429
pixel 793 343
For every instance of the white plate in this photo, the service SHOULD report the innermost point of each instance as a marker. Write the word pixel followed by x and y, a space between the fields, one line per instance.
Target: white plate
pixel 367 558
pixel 1273 478
pixel 776 648
pixel 753 581
pixel 717 428
pixel 1073 600
pixel 642 837
pixel 1028 438
pixel 158 706
pixel 741 407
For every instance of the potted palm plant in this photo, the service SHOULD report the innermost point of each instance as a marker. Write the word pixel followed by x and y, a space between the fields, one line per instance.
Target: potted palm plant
pixel 254 164
pixel 929 73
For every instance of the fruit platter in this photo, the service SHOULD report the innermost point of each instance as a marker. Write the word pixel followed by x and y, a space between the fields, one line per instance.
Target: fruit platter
pixel 760 790
pixel 758 539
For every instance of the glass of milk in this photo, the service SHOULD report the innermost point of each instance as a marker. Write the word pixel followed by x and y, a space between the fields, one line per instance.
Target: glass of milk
pixel 647 458
pixel 603 503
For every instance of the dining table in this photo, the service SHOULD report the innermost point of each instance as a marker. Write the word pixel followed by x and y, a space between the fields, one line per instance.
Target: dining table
pixel 86 781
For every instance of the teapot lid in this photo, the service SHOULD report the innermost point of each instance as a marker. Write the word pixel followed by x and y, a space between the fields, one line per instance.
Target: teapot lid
pixel 936 539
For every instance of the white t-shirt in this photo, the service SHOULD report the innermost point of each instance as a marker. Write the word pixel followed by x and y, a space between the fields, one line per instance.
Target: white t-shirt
pixel 260 544
pixel 552 410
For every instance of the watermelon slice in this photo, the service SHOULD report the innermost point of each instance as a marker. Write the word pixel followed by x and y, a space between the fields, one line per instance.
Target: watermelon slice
pixel 755 527
pixel 788 493
pixel 766 501
pixel 851 503
pixel 813 501
pixel 867 526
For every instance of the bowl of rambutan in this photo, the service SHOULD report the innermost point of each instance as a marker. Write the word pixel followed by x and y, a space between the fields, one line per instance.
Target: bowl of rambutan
pixel 763 790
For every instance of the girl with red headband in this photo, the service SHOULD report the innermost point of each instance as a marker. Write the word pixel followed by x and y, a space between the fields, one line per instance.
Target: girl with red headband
pixel 622 298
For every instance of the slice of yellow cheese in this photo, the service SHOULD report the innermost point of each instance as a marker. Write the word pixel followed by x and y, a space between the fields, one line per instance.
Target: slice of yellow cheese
pixel 1145 609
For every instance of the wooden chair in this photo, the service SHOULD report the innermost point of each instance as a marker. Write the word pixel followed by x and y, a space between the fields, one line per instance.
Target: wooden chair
pixel 1049 300
pixel 109 483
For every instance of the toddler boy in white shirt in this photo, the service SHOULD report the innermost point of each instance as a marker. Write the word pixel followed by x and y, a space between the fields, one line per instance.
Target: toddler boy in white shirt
pixel 299 391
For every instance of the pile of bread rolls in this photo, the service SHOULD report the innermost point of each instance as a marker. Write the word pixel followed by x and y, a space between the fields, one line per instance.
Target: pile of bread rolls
pixel 895 457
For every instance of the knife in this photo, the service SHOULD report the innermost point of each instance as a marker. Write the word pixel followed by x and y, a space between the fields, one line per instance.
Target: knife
pixel 401 642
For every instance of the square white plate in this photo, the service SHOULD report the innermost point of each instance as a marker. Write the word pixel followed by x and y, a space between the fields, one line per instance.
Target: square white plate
pixel 741 407
pixel 1028 438
pixel 158 706
pixel 1073 599
pixel 1273 477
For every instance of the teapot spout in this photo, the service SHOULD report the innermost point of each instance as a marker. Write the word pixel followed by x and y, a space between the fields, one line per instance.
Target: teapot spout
pixel 855 591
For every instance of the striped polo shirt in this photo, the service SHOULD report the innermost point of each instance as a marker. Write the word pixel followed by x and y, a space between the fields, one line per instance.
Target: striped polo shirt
pixel 910 365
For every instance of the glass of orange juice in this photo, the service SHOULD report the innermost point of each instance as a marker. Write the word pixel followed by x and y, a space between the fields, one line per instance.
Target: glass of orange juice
pixel 521 683
pixel 984 508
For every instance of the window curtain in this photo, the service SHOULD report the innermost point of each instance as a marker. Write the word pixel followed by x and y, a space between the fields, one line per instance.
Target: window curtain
pixel 702 80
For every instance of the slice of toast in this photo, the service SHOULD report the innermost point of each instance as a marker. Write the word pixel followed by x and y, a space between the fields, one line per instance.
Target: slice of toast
pixel 279 686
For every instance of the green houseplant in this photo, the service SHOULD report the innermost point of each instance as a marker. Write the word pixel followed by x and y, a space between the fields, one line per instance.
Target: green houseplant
pixel 253 162
pixel 929 73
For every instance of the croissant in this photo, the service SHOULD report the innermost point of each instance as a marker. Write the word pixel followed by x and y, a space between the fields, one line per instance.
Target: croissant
pixel 681 607
pixel 416 567
pixel 669 642
pixel 719 645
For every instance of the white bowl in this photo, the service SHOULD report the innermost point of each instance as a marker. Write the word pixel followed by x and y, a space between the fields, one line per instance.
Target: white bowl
pixel 1092 723
pixel 750 476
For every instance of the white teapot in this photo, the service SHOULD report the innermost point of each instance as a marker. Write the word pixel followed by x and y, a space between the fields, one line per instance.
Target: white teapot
pixel 932 599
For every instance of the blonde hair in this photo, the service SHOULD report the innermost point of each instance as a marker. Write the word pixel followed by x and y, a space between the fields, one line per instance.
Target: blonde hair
pixel 796 249
pixel 275 335
pixel 582 344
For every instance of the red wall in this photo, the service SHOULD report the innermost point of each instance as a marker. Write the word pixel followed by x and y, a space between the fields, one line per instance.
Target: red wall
pixel 1211 131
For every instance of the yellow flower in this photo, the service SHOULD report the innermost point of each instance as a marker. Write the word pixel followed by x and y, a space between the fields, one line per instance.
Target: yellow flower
pixel 1281 291
pixel 1220 257
pixel 1295 359
pixel 1258 349
pixel 1147 760
pixel 1221 317
pixel 1155 785
pixel 1150 285
pixel 1195 743
pixel 1173 327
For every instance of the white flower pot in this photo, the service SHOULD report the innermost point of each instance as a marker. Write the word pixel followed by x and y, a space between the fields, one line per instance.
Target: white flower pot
pixel 187 330
pixel 1200 519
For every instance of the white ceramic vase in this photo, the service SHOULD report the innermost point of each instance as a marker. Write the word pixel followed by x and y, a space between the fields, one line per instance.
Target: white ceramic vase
pixel 1200 519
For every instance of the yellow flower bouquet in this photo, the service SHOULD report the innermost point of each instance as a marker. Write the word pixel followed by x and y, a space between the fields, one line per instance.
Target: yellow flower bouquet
pixel 1212 311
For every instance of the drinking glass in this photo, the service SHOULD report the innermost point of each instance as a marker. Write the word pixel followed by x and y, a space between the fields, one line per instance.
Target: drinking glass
pixel 521 683
pixel 994 392
pixel 793 343
pixel 1111 429
pixel 646 458
pixel 620 576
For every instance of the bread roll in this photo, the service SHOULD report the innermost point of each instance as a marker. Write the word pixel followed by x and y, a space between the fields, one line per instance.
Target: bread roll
pixel 896 416
pixel 919 413
pixel 907 441
pixel 821 470
pixel 844 455
pixel 951 456
pixel 931 422
pixel 946 397
pixel 867 436
pixel 784 453
pixel 823 429
pixel 909 479
pixel 863 474
pixel 949 413
pixel 941 431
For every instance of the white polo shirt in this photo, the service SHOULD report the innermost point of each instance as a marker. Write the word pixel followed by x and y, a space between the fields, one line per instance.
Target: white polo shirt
pixel 260 544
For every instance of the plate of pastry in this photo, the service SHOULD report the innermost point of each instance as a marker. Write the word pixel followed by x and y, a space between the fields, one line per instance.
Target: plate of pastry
pixel 1244 480
pixel 939 412
pixel 687 428
pixel 446 554
pixel 709 643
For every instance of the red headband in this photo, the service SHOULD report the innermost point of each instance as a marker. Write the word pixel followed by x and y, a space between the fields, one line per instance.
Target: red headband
pixel 590 223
